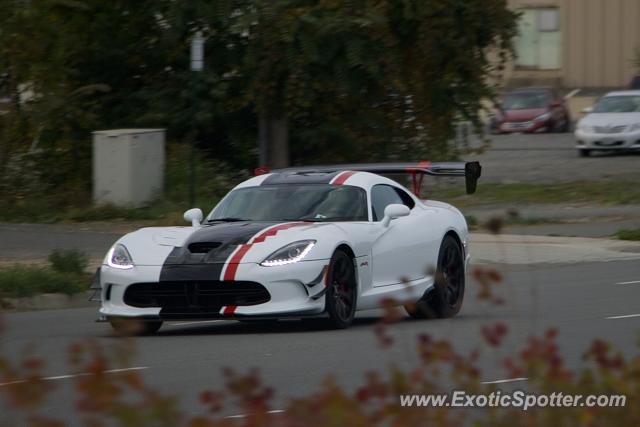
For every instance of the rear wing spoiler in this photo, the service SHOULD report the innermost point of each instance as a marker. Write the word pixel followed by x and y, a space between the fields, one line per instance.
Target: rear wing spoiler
pixel 471 171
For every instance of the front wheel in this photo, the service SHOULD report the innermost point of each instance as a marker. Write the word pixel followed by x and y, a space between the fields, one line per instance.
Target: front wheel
pixel 584 153
pixel 444 299
pixel 134 327
pixel 340 299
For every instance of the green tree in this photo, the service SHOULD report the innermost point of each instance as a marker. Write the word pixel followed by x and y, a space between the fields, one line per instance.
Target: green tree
pixel 370 79
pixel 335 80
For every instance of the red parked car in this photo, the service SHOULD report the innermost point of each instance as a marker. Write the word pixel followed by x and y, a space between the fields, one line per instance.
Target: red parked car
pixel 530 110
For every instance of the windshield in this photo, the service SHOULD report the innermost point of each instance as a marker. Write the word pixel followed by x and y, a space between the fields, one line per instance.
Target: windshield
pixel 293 203
pixel 618 104
pixel 526 101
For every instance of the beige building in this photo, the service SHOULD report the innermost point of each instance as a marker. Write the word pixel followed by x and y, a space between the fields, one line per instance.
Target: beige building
pixel 588 44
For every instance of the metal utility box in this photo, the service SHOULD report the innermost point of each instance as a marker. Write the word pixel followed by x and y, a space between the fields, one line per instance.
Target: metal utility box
pixel 128 166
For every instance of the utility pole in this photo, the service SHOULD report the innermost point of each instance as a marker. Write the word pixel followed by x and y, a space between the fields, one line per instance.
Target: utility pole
pixel 197 65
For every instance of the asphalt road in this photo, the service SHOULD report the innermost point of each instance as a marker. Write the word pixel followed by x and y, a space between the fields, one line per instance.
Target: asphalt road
pixel 293 357
pixel 33 242
pixel 549 158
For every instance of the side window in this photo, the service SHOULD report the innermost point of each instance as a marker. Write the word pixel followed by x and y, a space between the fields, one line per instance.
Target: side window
pixel 385 195
pixel 407 200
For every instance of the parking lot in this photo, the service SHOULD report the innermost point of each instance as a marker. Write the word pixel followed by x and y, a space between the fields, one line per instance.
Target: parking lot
pixel 550 158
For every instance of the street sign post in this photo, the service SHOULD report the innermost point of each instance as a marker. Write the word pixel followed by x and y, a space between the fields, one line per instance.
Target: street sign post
pixel 197 65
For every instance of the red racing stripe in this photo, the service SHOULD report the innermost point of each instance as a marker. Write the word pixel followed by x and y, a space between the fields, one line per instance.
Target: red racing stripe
pixel 341 178
pixel 236 258
pixel 423 164
pixel 230 273
pixel 273 231
pixel 229 310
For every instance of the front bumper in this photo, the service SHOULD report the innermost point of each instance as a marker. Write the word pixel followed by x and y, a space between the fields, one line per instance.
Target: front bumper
pixel 613 141
pixel 531 126
pixel 294 290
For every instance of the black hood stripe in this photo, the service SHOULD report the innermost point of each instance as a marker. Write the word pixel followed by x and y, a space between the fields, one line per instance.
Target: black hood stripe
pixel 188 263
pixel 229 242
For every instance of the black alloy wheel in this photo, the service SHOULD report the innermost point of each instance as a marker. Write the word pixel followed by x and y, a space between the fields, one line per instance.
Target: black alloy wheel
pixel 340 300
pixel 445 298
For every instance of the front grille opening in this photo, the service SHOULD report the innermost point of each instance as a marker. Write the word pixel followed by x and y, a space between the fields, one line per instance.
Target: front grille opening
pixel 195 295
pixel 107 292
pixel 609 144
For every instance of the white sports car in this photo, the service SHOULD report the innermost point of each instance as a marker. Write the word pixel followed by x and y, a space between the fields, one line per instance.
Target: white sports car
pixel 306 242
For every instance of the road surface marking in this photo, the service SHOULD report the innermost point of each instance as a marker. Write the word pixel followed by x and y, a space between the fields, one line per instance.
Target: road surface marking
pixel 626 316
pixel 274 411
pixel 509 380
pixel 82 374
pixel 197 322
pixel 634 282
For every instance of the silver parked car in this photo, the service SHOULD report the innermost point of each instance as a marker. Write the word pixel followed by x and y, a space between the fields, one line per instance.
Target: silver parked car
pixel 612 124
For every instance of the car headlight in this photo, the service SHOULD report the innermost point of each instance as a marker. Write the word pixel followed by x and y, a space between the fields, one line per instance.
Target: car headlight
pixel 289 254
pixel 543 117
pixel 634 128
pixel 119 257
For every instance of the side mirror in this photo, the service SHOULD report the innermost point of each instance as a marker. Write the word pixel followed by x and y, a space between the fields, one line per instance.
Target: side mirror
pixel 194 216
pixel 587 110
pixel 394 211
pixel 555 104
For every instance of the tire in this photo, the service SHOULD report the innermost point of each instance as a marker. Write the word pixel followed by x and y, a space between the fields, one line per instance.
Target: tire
pixel 445 298
pixel 552 127
pixel 340 300
pixel 134 327
pixel 584 153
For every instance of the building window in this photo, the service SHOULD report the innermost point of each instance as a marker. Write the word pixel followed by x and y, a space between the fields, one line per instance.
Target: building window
pixel 538 42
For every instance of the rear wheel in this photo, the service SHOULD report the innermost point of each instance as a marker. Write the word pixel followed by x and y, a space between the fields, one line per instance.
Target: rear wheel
pixel 445 298
pixel 134 327
pixel 340 299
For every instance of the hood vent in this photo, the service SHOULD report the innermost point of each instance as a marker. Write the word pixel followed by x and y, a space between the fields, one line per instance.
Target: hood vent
pixel 203 247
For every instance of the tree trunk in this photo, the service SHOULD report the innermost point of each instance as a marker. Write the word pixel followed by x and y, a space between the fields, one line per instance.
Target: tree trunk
pixel 273 138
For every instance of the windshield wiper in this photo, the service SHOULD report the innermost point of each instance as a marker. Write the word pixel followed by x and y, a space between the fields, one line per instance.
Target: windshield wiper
pixel 228 219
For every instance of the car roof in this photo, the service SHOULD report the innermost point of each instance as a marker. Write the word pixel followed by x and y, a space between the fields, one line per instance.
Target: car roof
pixel 355 178
pixel 624 93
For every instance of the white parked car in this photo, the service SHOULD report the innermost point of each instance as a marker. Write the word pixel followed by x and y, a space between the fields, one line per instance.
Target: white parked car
pixel 314 241
pixel 612 124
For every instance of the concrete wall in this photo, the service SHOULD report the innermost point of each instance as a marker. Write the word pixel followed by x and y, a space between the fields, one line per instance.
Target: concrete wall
pixel 599 39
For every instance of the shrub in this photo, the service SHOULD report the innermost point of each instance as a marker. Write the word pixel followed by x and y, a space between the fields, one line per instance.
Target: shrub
pixel 27 280
pixel 69 261
pixel 28 195
pixel 628 234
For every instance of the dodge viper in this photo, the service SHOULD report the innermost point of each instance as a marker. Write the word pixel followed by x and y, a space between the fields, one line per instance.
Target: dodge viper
pixel 306 242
